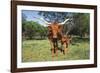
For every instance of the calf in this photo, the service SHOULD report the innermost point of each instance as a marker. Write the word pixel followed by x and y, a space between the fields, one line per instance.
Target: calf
pixel 65 41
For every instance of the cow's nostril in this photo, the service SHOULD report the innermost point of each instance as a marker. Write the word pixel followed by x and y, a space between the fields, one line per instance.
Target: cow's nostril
pixel 55 36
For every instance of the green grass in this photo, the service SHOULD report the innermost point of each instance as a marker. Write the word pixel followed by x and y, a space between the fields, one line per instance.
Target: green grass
pixel 39 50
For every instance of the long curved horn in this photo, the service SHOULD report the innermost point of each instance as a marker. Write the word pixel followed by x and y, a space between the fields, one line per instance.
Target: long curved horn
pixel 45 21
pixel 64 21
pixel 71 27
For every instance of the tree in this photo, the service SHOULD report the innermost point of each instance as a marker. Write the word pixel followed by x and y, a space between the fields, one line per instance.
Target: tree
pixel 33 29
pixel 29 29
pixel 81 23
pixel 23 21
pixel 51 16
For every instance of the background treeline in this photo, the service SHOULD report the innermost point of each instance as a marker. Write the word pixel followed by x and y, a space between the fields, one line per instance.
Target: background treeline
pixel 78 25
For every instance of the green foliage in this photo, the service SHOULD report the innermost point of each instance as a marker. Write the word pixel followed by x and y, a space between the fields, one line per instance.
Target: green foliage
pixel 32 29
pixel 81 24
pixel 29 29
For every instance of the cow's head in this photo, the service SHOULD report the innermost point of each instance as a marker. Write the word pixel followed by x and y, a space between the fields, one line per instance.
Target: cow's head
pixel 54 29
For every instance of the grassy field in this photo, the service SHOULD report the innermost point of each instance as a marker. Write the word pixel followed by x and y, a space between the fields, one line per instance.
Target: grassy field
pixel 39 50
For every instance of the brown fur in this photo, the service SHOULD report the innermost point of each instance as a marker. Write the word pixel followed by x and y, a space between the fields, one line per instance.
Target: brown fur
pixel 66 40
pixel 55 35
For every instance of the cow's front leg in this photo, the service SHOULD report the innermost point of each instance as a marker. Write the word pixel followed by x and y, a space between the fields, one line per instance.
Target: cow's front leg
pixel 55 46
pixel 52 48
